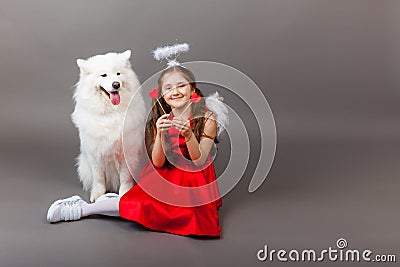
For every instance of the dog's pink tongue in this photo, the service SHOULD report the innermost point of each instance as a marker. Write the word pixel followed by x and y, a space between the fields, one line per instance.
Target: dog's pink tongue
pixel 114 97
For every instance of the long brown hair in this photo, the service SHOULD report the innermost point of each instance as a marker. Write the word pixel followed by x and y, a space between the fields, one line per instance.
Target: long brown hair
pixel 198 109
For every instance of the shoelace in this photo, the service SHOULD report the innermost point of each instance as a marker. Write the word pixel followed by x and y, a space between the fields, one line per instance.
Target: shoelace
pixel 71 210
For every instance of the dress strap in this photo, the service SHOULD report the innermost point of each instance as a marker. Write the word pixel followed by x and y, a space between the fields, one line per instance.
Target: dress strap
pixel 207 136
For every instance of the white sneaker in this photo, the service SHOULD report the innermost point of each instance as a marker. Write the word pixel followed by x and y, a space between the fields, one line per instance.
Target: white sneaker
pixel 106 196
pixel 69 209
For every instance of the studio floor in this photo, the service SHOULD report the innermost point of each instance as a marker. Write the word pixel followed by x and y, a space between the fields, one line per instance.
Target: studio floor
pixel 318 190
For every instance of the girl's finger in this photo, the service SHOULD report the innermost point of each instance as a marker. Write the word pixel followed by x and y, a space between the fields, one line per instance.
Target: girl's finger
pixel 179 128
pixel 165 126
pixel 181 123
pixel 164 129
pixel 176 125
pixel 164 116
pixel 166 122
pixel 179 120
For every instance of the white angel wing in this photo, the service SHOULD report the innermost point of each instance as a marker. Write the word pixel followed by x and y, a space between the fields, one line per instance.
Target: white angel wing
pixel 215 104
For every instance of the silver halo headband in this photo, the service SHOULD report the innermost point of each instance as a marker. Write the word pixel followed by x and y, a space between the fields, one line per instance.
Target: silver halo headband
pixel 170 53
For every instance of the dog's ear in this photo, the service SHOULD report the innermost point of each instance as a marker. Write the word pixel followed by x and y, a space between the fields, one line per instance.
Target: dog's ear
pixel 82 65
pixel 127 54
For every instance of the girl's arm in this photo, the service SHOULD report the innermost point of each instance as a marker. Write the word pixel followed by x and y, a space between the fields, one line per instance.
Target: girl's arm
pixel 199 151
pixel 157 154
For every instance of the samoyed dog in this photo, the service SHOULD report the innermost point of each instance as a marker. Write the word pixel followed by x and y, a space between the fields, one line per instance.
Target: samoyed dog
pixel 105 88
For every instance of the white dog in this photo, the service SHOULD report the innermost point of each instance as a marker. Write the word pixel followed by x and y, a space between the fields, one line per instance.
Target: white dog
pixel 103 92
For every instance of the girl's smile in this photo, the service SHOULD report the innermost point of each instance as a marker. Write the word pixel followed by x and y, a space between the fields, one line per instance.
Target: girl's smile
pixel 176 97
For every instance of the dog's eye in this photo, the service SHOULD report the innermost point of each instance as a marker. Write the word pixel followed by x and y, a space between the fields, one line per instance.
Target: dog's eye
pixel 103 75
pixel 118 73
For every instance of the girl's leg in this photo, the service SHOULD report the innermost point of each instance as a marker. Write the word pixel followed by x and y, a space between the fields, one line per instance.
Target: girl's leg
pixel 74 208
pixel 108 207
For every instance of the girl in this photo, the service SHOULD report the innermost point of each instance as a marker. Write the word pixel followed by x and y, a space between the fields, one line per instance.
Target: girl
pixel 180 136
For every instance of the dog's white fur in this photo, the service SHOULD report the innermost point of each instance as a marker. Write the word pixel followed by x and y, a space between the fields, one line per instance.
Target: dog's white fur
pixel 101 164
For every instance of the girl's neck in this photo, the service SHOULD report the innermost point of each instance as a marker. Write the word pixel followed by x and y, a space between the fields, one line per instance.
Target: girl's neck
pixel 182 112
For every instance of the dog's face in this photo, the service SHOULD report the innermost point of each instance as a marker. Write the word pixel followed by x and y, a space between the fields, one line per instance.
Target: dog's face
pixel 105 76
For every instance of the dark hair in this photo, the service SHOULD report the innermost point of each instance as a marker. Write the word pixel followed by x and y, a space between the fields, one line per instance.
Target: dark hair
pixel 198 109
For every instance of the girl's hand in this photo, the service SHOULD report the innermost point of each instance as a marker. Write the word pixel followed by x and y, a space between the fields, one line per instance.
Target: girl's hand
pixel 163 123
pixel 183 126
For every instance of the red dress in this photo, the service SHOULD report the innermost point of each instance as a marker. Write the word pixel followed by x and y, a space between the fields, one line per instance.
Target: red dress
pixel 175 209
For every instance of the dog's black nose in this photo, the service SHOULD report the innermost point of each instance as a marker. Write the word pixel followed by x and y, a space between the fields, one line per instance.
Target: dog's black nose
pixel 116 85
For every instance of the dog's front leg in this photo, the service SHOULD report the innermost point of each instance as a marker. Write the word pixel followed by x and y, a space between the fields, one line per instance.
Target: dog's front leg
pixel 99 184
pixel 126 180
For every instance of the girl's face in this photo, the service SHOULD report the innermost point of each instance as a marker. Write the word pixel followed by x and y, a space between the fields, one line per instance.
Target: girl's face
pixel 176 90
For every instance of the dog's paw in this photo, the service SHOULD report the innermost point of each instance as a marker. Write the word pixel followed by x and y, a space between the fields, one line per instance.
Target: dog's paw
pixel 95 194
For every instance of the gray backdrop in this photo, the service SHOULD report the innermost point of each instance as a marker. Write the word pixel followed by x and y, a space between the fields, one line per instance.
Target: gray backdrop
pixel 329 70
